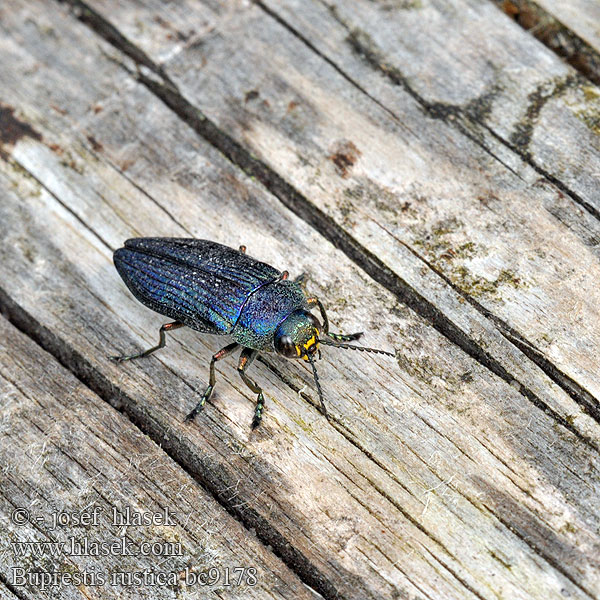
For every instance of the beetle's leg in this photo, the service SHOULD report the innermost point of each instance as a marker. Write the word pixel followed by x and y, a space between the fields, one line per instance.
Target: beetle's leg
pixel 301 279
pixel 246 358
pixel 314 301
pixel 161 343
pixel 222 353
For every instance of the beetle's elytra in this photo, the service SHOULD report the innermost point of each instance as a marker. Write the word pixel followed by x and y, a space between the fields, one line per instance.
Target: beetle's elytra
pixel 215 289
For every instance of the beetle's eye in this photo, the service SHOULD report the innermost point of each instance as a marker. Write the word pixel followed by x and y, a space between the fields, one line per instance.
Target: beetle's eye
pixel 314 322
pixel 285 346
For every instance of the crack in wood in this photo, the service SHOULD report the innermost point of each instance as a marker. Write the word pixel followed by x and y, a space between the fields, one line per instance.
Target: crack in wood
pixel 481 105
pixel 583 397
pixel 456 576
pixel 12 588
pixel 520 138
pixel 502 503
pixel 554 35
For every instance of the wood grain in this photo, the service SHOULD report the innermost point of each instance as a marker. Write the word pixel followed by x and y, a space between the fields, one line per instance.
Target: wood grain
pixel 461 471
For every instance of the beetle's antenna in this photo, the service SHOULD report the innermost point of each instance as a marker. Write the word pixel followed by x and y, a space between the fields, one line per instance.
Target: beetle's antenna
pixel 361 348
pixel 320 392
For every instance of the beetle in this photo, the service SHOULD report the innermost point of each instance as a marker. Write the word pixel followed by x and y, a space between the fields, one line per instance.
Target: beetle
pixel 216 289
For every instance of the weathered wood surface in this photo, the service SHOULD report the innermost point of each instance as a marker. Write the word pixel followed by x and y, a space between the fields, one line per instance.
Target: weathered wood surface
pixel 468 469
pixel 64 451
pixel 462 213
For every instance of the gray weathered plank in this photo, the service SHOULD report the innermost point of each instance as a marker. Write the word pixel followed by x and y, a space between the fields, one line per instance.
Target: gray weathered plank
pixel 533 264
pixel 466 474
pixel 65 451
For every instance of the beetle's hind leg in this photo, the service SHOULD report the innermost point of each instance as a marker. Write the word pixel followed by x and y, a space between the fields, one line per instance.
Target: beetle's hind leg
pixel 222 353
pixel 161 343
pixel 340 337
pixel 246 358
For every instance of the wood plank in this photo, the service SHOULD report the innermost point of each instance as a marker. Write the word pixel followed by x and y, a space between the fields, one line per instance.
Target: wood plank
pixel 64 454
pixel 427 486
pixel 529 266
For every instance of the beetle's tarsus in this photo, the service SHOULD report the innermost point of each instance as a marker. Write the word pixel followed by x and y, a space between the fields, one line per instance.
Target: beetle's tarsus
pixel 118 359
pixel 198 408
pixel 258 411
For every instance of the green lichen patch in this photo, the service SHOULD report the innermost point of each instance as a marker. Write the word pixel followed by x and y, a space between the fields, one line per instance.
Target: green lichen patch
pixel 591 118
pixel 480 286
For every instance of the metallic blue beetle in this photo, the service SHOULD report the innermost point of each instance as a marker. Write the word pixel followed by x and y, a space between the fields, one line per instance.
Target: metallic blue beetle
pixel 215 289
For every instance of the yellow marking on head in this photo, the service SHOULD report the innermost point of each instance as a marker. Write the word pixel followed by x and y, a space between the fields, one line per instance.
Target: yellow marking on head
pixel 311 342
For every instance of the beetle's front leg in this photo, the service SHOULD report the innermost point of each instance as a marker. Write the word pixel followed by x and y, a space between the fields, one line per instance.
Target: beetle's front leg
pixel 222 353
pixel 314 301
pixel 161 343
pixel 246 358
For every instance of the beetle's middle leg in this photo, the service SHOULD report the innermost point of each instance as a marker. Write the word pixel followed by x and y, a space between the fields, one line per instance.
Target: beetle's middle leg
pixel 161 343
pixel 314 301
pixel 222 353
pixel 246 358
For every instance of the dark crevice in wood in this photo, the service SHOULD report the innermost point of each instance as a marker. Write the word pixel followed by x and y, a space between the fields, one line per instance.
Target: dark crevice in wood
pixel 169 94
pixel 18 593
pixel 211 480
pixel 29 174
pixel 552 561
pixel 521 136
pixel 460 579
pixel 112 35
pixel 588 403
pixel 467 119
pixel 554 35
pixel 324 57
pixel 524 153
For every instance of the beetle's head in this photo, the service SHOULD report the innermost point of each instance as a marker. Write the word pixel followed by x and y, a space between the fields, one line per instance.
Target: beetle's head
pixel 298 335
